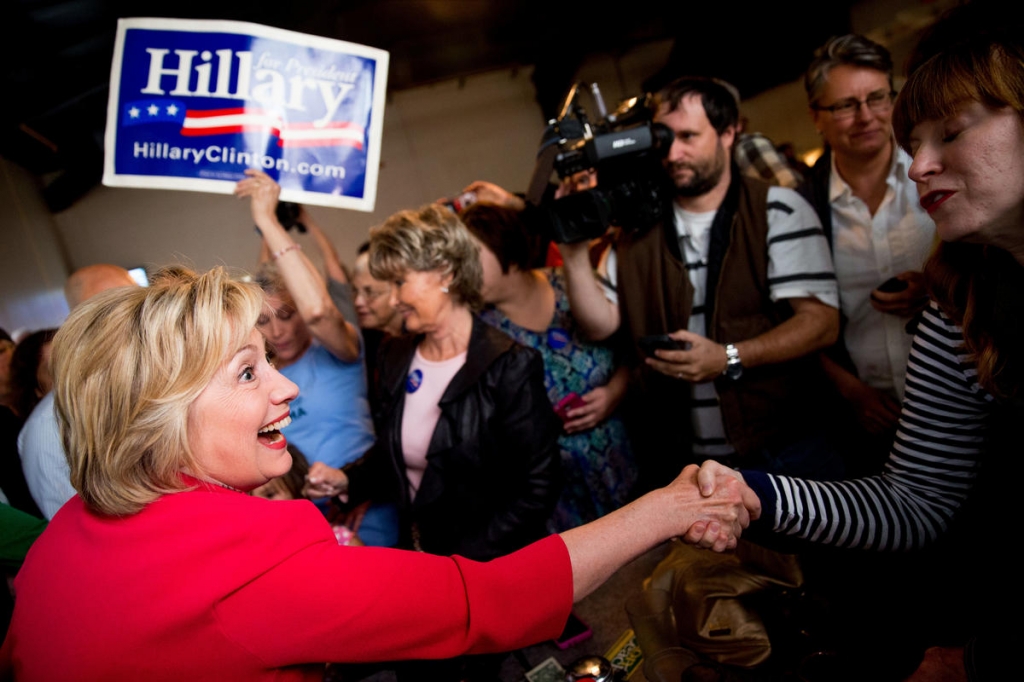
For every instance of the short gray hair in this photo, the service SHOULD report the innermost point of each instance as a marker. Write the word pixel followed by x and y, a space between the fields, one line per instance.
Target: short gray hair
pixel 429 239
pixel 849 50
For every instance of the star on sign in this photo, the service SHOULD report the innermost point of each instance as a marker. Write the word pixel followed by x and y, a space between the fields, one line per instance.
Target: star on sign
pixel 134 112
pixel 172 110
pixel 153 110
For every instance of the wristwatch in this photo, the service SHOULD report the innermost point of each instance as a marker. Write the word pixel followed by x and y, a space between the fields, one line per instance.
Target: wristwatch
pixel 733 367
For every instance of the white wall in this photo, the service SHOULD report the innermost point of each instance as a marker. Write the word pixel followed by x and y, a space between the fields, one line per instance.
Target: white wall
pixel 32 265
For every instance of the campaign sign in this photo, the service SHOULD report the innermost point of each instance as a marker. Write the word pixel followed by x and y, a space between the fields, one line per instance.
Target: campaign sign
pixel 195 103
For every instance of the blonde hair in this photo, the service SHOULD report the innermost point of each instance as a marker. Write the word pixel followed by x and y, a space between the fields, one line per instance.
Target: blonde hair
pixel 429 239
pixel 127 365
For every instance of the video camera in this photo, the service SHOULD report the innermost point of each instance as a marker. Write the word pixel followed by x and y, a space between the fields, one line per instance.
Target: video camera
pixel 624 147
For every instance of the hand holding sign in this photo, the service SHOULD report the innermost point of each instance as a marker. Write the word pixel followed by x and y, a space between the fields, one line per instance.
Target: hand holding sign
pixel 264 192
pixel 193 104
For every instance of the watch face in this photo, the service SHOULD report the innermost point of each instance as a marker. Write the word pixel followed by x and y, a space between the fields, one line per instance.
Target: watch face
pixel 733 366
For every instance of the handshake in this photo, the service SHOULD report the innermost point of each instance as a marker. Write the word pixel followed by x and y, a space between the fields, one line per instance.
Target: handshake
pixel 707 506
pixel 712 505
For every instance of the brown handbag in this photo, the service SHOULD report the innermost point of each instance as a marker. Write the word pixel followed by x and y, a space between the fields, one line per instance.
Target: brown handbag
pixel 711 594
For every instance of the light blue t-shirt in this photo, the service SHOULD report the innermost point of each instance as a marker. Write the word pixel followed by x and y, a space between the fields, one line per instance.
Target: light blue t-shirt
pixel 331 424
pixel 331 416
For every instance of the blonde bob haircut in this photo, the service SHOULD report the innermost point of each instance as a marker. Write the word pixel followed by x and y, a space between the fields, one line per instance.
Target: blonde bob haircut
pixel 429 239
pixel 127 366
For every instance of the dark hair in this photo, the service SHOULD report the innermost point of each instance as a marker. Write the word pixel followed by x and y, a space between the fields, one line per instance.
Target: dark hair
pixel 501 229
pixel 848 50
pixel 25 367
pixel 4 336
pixel 719 104
pixel 978 22
pixel 295 479
pixel 978 287
pixel 363 248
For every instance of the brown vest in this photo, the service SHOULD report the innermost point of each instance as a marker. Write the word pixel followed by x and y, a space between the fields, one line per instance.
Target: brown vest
pixel 768 404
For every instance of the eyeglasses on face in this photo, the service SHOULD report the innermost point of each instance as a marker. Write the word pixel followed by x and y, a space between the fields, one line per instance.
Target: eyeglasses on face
pixel 370 294
pixel 879 102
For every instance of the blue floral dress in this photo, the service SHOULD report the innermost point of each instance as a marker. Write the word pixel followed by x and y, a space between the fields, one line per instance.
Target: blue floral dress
pixel 598 464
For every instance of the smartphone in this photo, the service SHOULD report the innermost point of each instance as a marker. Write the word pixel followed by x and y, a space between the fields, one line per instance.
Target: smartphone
pixel 569 402
pixel 649 344
pixel 575 631
pixel 461 202
pixel 892 285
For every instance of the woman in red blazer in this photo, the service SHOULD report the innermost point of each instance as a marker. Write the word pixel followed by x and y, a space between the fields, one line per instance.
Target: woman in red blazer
pixel 163 567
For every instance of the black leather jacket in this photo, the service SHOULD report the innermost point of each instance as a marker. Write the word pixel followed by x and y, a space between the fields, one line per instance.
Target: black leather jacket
pixel 493 468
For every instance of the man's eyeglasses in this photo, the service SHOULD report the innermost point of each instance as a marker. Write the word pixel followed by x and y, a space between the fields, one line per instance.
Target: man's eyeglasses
pixel 878 102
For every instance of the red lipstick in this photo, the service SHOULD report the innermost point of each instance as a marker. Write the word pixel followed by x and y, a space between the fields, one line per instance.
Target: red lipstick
pixel 932 200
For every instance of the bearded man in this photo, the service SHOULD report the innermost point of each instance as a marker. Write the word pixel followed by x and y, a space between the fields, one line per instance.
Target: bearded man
pixel 741 279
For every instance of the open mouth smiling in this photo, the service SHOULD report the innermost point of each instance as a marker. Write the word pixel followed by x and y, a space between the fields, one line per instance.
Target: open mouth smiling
pixel 271 435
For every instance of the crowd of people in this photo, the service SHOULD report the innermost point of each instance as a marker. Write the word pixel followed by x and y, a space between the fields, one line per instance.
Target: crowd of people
pixel 825 354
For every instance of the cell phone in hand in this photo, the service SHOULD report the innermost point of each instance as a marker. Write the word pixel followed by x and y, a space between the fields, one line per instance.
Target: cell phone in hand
pixel 893 285
pixel 569 402
pixel 653 342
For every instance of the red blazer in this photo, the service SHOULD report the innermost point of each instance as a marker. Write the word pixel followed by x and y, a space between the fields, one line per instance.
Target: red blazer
pixel 216 585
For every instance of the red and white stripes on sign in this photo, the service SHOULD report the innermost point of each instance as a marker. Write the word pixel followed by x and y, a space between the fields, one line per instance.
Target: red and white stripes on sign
pixel 247 120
